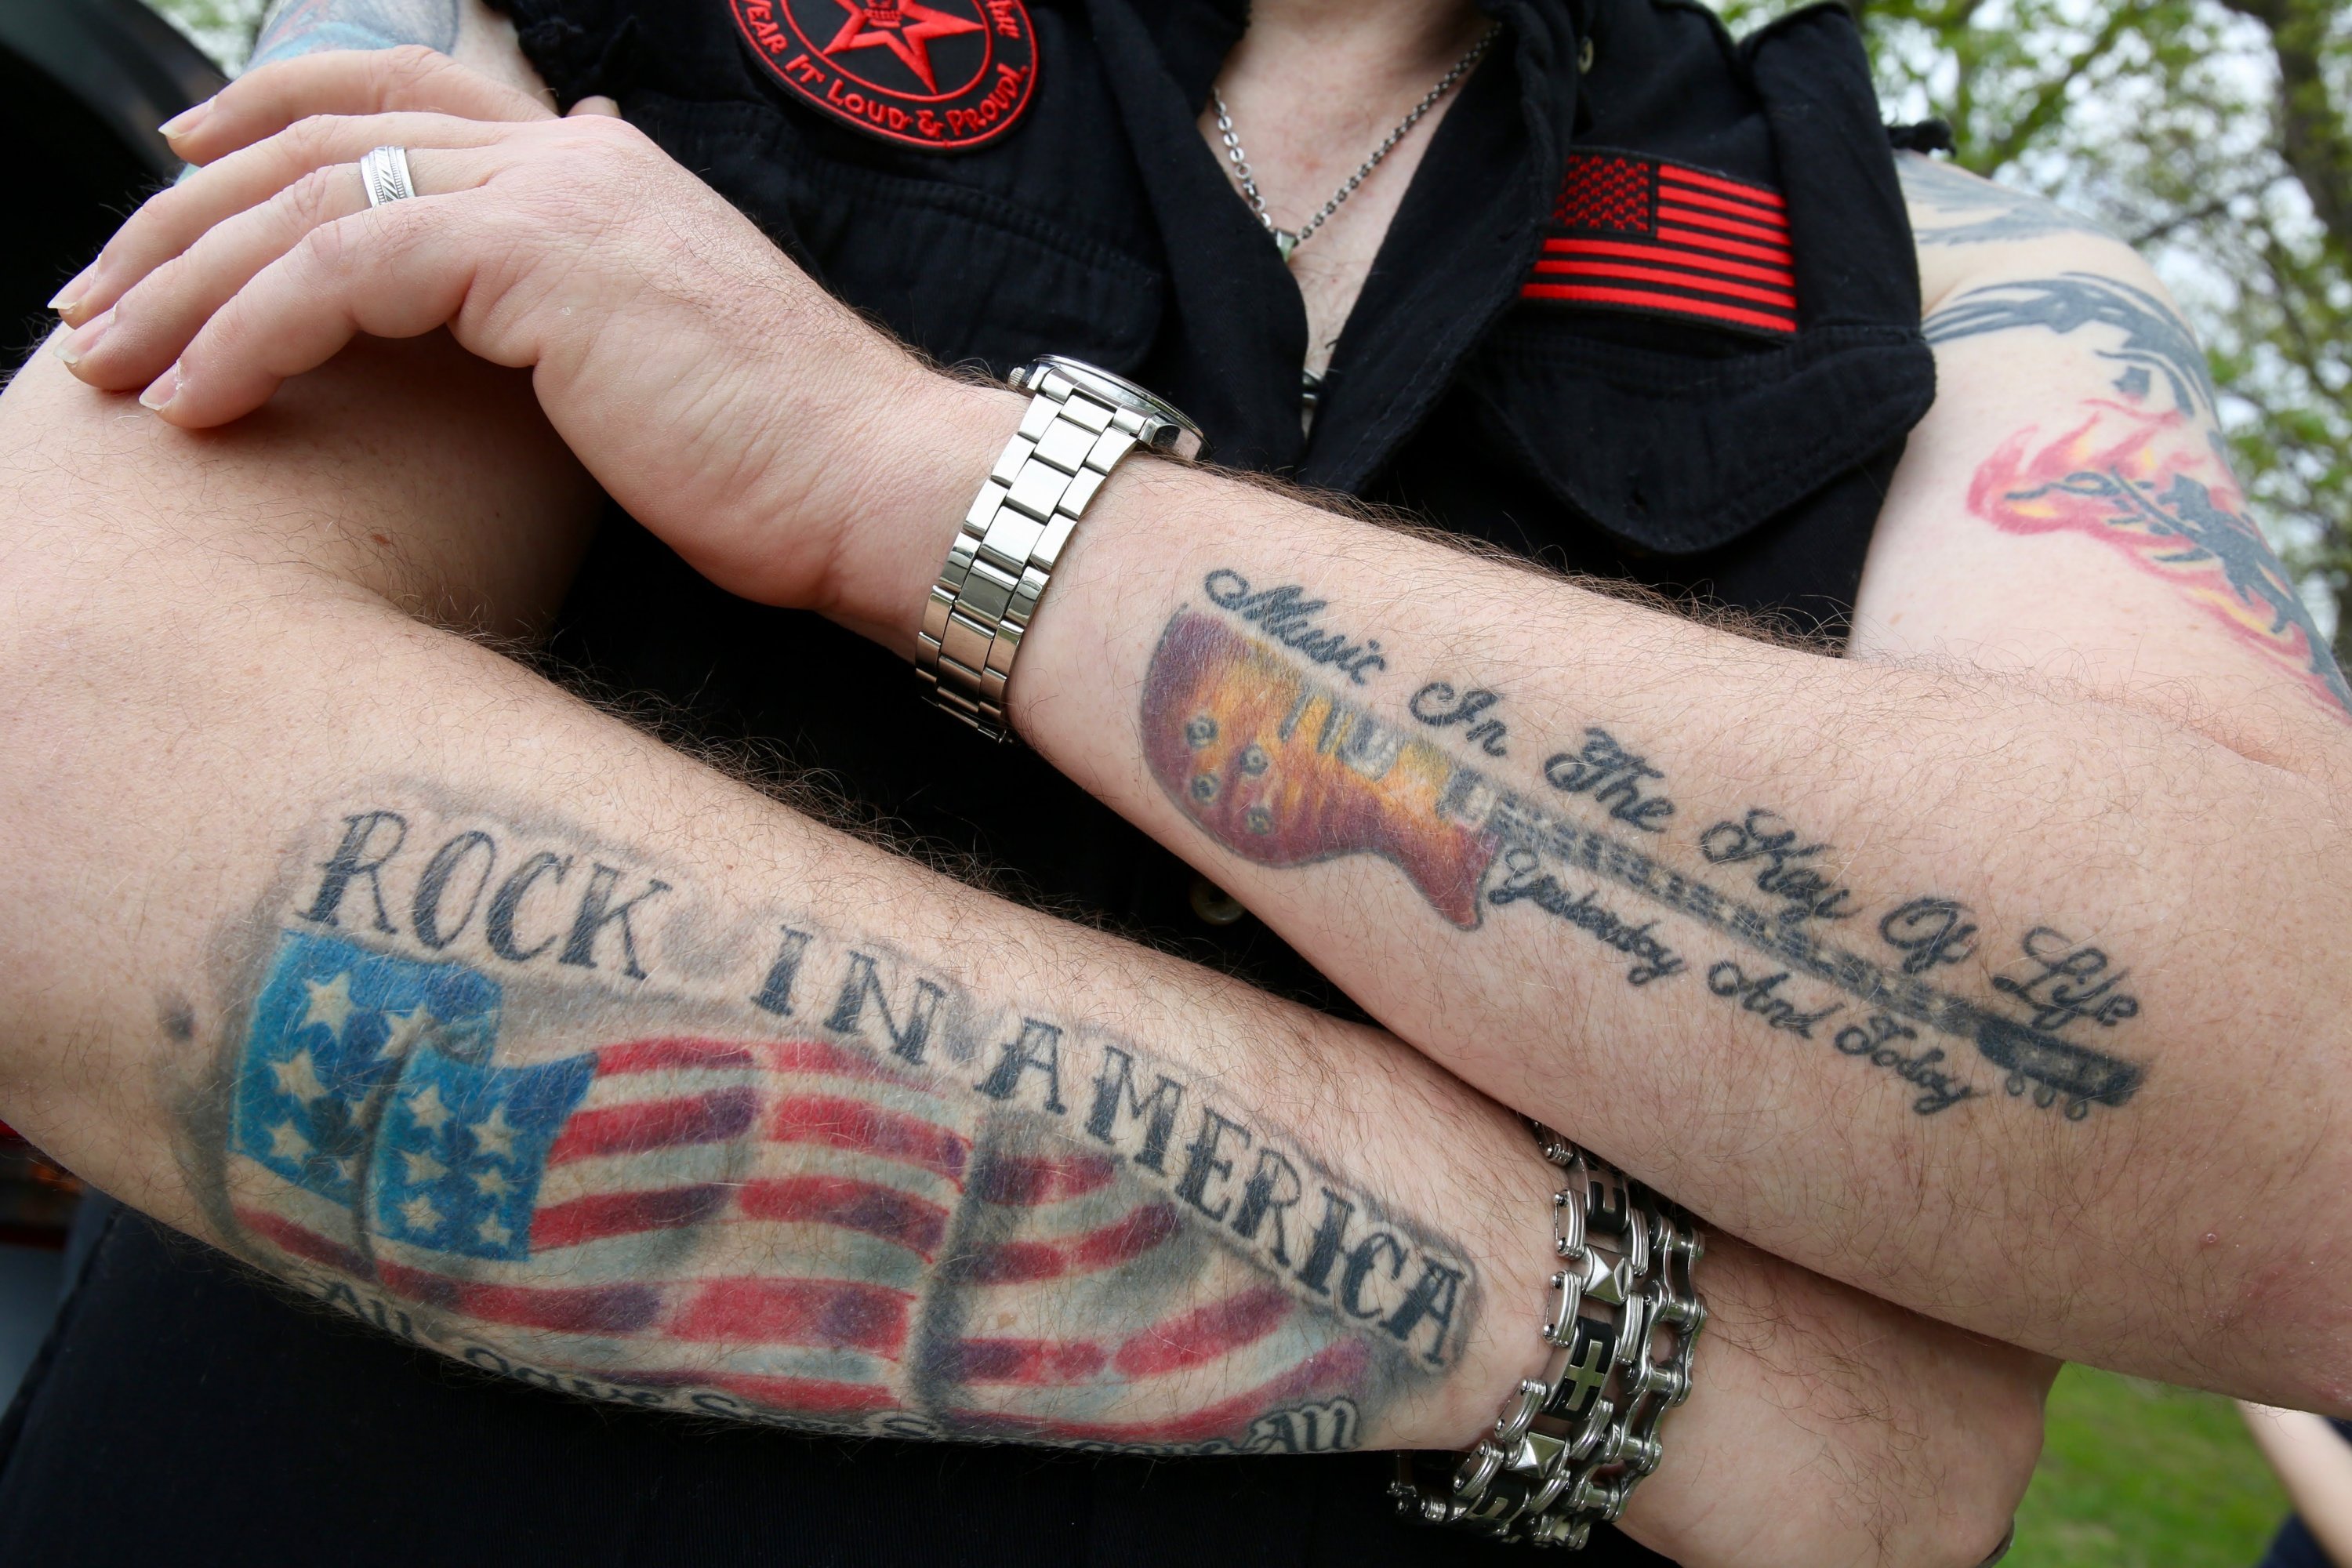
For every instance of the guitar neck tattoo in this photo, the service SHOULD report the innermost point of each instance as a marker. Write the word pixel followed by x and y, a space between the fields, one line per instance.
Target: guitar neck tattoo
pixel 1285 769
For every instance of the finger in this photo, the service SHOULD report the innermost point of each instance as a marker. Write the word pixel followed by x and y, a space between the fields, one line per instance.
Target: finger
pixel 395 271
pixel 268 99
pixel 156 320
pixel 596 104
pixel 173 219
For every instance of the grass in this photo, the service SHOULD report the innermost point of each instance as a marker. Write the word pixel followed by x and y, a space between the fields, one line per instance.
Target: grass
pixel 2137 1474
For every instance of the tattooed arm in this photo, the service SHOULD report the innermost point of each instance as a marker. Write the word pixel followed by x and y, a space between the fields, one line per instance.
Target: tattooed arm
pixel 1995 967
pixel 1952 969
pixel 2112 477
pixel 483 1019
pixel 475 1014
pixel 467 31
pixel 359 951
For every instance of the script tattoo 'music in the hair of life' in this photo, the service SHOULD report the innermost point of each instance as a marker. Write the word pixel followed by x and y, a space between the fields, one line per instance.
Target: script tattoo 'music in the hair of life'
pixel 502 1088
pixel 1284 768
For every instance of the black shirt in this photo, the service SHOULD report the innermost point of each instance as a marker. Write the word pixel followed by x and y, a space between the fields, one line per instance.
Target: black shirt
pixel 1653 318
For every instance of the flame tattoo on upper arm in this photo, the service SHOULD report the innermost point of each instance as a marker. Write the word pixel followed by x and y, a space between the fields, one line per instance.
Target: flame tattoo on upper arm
pixel 2144 484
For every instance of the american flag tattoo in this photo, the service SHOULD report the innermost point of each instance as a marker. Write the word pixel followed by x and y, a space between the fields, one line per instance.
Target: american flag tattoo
pixel 814 1230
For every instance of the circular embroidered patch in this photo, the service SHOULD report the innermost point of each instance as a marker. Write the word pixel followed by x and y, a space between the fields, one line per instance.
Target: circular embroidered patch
pixel 946 75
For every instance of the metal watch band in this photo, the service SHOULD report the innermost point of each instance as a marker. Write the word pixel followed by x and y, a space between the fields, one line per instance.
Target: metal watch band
pixel 1080 422
pixel 1568 1449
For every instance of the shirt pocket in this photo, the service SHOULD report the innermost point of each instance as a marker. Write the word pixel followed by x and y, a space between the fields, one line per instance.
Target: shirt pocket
pixel 1686 440
pixel 960 271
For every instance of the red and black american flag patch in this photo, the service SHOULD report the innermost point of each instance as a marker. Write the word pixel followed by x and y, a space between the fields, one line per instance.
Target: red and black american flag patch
pixel 1641 234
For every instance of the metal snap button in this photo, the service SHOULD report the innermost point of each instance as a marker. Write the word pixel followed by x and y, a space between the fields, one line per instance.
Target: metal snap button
pixel 1214 904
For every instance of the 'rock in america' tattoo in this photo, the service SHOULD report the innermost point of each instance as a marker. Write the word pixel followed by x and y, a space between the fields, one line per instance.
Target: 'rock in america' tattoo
pixel 2145 485
pixel 499 1088
pixel 1283 770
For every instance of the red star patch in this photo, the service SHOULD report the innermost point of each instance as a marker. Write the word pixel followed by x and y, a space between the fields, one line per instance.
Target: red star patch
pixel 946 75
pixel 903 27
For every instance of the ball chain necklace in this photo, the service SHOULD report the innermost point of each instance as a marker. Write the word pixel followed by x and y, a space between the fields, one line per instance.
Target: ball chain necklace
pixel 1289 240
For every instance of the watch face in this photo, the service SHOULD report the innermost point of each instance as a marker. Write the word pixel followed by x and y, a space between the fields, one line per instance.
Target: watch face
pixel 1181 436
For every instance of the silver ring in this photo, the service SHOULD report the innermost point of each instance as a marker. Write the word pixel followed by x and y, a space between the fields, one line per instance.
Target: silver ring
pixel 2006 1540
pixel 384 173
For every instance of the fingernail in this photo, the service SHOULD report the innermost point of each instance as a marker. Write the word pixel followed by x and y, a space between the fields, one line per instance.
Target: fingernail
pixel 159 396
pixel 76 344
pixel 187 119
pixel 68 297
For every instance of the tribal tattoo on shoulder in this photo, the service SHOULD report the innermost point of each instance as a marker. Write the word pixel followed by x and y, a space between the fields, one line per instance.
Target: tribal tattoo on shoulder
pixel 312 27
pixel 1285 767
pixel 508 1091
pixel 1951 207
pixel 2151 339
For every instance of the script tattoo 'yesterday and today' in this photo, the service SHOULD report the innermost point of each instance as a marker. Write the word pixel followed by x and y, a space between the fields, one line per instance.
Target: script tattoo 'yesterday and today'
pixel 1285 770
pixel 504 1090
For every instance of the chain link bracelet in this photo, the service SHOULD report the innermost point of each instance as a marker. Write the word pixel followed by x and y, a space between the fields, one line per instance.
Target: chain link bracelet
pixel 1569 1449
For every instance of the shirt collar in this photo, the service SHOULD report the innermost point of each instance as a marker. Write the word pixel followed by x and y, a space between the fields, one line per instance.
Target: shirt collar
pixel 1462 241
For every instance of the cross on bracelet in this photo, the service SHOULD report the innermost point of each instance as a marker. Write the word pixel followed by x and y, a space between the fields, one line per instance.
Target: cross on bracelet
pixel 1588 1369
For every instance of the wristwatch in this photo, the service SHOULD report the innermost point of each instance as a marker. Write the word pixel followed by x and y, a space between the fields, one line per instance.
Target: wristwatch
pixel 1081 421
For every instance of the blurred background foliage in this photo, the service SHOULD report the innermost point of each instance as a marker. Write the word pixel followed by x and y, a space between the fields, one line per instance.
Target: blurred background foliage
pixel 2212 134
pixel 222 28
pixel 2137 1475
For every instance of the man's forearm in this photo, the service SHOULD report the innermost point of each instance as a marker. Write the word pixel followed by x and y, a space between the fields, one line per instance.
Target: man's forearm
pixel 563 1100
pixel 328 947
pixel 363 953
pixel 1965 989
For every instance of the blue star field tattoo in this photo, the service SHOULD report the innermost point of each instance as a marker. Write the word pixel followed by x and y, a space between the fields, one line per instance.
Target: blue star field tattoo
pixel 313 26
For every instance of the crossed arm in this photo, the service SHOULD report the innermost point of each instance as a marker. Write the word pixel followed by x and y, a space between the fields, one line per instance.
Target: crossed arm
pixel 1636 859
pixel 351 946
pixel 1992 967
pixel 348 944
